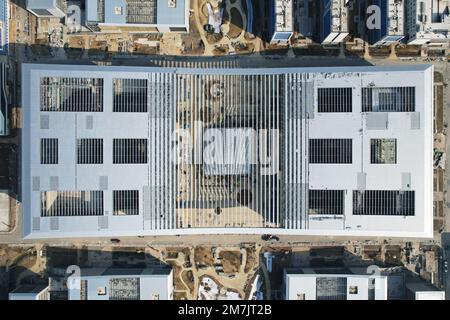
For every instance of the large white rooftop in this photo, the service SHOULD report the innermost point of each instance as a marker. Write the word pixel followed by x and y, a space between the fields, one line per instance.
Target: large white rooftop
pixel 336 151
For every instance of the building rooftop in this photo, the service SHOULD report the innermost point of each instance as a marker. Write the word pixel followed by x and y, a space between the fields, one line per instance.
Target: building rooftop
pixel 41 4
pixel 168 14
pixel 30 288
pixel 428 21
pixel 430 295
pixel 4 30
pixel 339 15
pixel 348 128
pixel 334 21
pixel 396 18
pixel 309 285
pixel 392 28
pixel 122 284
pixel 30 292
pixel 355 284
pixel 284 19
pixel 47 8
pixel 135 12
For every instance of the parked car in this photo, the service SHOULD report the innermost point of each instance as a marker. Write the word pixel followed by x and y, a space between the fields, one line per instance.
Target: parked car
pixel 267 237
pixel 114 240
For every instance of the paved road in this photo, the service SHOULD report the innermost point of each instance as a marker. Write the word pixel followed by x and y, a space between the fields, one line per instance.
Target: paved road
pixel 255 60
pixel 446 258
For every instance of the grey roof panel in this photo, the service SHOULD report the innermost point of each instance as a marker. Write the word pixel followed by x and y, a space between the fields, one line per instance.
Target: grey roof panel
pixel 171 16
pixel 377 121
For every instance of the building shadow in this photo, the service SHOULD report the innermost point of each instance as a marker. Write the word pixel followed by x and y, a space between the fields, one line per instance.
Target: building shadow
pixel 252 22
pixel 19 274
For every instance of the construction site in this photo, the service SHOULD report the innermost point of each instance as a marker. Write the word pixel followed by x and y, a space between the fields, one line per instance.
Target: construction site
pixel 221 273
pixel 237 27
pixel 210 34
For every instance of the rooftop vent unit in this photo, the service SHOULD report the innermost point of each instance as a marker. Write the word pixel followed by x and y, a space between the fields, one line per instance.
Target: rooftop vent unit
pixel 101 291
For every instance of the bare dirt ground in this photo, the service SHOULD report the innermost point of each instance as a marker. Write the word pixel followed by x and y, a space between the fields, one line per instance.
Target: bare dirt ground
pixel 202 255
pixel 231 261
pixel 191 264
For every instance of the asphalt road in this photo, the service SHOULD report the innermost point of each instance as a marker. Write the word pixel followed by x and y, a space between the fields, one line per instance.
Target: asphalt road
pixel 446 261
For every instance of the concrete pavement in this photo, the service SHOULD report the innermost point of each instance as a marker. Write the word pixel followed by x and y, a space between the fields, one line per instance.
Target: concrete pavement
pixel 445 262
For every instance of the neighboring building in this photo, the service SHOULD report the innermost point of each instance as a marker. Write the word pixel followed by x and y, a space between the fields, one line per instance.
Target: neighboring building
pixel 423 291
pixel 327 138
pixel 137 15
pixel 4 104
pixel 354 284
pixel 47 8
pixel 428 21
pixel 334 21
pixel 4 278
pixel 4 29
pixel 392 24
pixel 310 284
pixel 305 17
pixel 30 292
pixel 122 284
pixel 281 20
